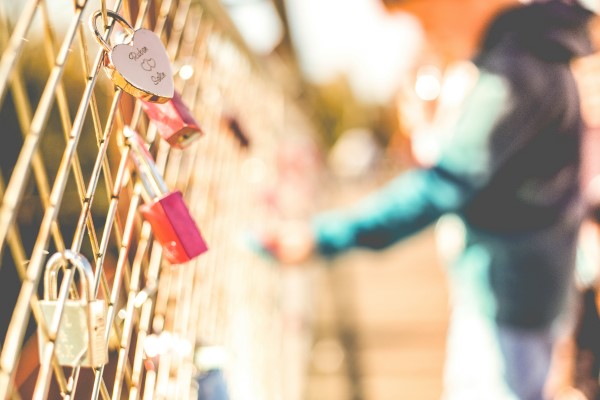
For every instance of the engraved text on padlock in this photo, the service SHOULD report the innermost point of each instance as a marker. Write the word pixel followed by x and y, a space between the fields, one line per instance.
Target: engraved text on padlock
pixel 140 67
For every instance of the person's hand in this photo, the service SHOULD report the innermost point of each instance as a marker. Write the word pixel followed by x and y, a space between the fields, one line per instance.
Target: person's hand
pixel 290 242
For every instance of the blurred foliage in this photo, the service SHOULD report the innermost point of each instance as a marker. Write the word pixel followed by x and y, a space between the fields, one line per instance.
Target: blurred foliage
pixel 333 107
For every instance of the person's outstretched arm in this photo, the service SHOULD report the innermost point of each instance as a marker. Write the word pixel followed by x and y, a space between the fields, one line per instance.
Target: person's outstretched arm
pixel 417 197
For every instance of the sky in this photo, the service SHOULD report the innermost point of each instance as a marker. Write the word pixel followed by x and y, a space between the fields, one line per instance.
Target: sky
pixel 356 39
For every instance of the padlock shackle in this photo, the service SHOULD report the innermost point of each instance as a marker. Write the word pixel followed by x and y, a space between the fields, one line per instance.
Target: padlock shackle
pixel 151 178
pixel 82 265
pixel 93 22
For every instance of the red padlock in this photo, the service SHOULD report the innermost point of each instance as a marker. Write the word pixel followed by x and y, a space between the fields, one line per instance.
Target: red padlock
pixel 172 224
pixel 174 121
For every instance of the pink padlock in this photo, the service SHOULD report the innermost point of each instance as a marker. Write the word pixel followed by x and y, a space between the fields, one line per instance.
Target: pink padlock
pixel 174 121
pixel 171 222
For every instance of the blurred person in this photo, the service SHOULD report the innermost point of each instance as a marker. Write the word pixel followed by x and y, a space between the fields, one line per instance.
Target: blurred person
pixel 510 173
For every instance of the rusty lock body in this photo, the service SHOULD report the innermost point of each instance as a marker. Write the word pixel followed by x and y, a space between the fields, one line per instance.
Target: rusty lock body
pixel 80 340
pixel 174 121
pixel 172 224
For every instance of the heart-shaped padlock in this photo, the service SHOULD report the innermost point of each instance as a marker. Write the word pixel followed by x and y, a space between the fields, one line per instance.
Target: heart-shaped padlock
pixel 140 67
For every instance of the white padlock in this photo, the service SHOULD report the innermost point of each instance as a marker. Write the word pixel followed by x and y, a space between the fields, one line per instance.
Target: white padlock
pixel 80 340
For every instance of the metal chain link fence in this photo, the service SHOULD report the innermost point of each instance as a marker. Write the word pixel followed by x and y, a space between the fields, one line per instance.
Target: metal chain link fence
pixel 67 183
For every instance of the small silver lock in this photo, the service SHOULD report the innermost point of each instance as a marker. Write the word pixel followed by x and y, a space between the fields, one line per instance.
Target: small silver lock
pixel 80 340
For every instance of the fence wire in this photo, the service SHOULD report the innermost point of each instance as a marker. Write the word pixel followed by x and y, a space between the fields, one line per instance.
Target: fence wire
pixel 66 183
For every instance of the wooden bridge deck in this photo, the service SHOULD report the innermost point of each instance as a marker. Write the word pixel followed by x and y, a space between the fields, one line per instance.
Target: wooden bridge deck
pixel 387 314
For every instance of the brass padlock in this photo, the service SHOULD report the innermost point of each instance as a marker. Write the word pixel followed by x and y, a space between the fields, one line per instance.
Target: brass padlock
pixel 80 340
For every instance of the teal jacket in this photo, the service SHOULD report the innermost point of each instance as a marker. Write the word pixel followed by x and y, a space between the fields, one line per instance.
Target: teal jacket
pixel 510 172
